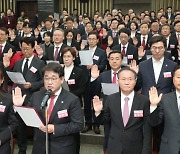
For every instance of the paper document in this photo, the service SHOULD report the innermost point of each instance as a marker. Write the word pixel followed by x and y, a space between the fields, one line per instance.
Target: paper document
pixel 86 57
pixel 109 88
pixel 16 77
pixel 29 116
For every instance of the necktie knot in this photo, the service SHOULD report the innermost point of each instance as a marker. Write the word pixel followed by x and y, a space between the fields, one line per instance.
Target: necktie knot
pixel 114 73
pixel 53 96
pixel 126 99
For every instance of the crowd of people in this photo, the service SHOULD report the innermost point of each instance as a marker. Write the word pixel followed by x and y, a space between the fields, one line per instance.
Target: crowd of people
pixel 140 53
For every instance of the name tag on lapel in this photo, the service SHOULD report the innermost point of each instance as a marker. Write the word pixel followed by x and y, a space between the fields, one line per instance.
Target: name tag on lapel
pixel 167 75
pixel 71 81
pixel 33 69
pixel 130 56
pixel 138 113
pixel 2 108
pixel 96 57
pixel 62 114
pixel 172 46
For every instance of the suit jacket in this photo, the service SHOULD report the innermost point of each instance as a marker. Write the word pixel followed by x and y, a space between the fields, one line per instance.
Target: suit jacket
pixel 74 43
pixel 63 139
pixel 131 52
pixel 50 54
pixel 99 59
pixel 168 112
pixel 8 123
pixel 146 78
pixel 35 78
pixel 5 50
pixel 76 82
pixel 140 41
pixel 135 137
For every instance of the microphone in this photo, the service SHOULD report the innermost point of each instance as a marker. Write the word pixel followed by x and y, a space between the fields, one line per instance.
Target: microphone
pixel 46 97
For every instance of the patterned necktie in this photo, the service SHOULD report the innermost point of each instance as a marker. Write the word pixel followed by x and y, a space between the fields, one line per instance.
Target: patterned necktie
pixel 126 111
pixel 114 77
pixel 25 67
pixel 56 53
pixel 51 105
pixel 123 51
pixel 143 43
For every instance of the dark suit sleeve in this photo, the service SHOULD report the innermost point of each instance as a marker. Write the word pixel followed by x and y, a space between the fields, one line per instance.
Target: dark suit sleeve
pixel 147 133
pixel 103 62
pixel 156 117
pixel 36 85
pixel 5 133
pixel 76 121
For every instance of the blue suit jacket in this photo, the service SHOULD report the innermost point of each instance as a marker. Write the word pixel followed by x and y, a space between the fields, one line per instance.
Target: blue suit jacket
pixel 146 77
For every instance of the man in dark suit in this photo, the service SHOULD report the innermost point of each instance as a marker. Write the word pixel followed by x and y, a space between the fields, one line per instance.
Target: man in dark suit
pixel 169 14
pixel 4 44
pixel 54 52
pixel 126 113
pixel 171 42
pixel 167 108
pixel 31 68
pixel 129 51
pixel 156 71
pixel 100 59
pixel 144 37
pixel 65 117
pixel 111 76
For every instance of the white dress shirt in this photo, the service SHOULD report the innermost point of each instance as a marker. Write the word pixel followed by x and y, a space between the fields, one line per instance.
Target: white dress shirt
pixel 157 65
pixel 29 62
pixel 57 93
pixel 130 101
pixel 67 71
pixel 58 49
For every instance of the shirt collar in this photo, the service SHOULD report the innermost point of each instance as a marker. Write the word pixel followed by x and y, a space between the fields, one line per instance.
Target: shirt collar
pixel 30 58
pixel 131 95
pixel 161 60
pixel 59 46
pixel 57 93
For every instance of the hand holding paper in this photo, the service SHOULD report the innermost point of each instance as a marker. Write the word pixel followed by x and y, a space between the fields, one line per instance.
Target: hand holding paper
pixel 18 99
pixel 86 57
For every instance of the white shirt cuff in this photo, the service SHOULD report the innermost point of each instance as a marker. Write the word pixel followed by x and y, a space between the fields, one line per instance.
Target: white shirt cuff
pixel 152 108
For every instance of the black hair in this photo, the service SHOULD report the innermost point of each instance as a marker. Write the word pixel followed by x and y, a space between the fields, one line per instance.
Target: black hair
pixel 55 67
pixel 125 30
pixel 127 69
pixel 156 39
pixel 28 41
pixel 94 33
pixel 4 30
pixel 115 51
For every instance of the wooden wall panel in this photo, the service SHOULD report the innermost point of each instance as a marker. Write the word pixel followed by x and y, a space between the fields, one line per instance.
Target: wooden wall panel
pixel 157 4
pixel 88 8
pixel 6 4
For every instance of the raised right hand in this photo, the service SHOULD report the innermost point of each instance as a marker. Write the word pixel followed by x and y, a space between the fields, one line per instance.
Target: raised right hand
pixel 97 105
pixel 18 99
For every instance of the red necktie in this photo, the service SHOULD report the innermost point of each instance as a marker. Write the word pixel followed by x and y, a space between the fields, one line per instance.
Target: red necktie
pixel 123 51
pixel 114 77
pixel 56 53
pixel 126 111
pixel 143 43
pixel 1 49
pixel 51 105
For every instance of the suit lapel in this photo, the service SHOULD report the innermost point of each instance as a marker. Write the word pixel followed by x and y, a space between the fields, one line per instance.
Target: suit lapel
pixel 72 75
pixel 58 105
pixel 174 106
pixel 163 69
pixel 151 70
pixel 119 107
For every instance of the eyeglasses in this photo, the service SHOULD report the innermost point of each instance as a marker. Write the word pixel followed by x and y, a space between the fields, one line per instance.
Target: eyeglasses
pixel 25 49
pixel 155 48
pixel 50 79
